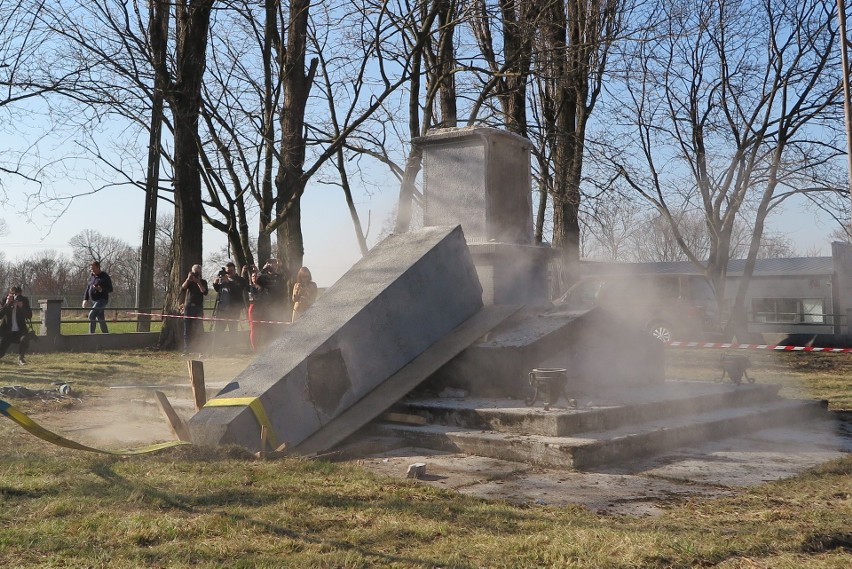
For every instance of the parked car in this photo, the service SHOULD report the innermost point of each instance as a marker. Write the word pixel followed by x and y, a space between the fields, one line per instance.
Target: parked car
pixel 669 306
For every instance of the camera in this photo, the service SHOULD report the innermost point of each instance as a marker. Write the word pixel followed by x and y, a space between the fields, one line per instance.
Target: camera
pixel 222 272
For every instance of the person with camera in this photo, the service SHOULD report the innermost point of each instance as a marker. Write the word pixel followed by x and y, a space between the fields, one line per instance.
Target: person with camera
pixel 230 299
pixel 15 313
pixel 195 289
pixel 254 311
pixel 274 284
pixel 97 292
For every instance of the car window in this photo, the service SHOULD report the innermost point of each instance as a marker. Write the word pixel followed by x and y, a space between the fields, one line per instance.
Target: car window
pixel 701 289
pixel 664 287
pixel 583 294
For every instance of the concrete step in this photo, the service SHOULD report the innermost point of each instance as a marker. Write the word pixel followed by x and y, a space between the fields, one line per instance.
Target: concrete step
pixel 601 411
pixel 597 448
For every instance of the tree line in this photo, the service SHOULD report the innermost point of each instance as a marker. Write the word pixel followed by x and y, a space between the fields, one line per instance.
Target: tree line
pixel 51 274
pixel 688 112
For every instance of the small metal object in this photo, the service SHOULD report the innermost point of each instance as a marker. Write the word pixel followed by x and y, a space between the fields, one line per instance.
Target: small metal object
pixel 550 382
pixel 735 366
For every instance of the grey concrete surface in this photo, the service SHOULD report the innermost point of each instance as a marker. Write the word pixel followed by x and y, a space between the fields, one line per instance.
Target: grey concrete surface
pixel 480 177
pixel 641 488
pixel 406 294
pixel 598 350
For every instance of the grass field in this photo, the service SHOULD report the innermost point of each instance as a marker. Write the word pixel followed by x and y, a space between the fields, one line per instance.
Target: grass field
pixel 191 507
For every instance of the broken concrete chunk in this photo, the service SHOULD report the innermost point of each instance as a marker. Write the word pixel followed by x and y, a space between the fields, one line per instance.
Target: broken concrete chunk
pixel 416 470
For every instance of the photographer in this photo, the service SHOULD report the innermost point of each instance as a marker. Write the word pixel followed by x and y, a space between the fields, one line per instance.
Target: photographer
pixel 274 285
pixel 15 312
pixel 254 295
pixel 195 289
pixel 97 292
pixel 230 291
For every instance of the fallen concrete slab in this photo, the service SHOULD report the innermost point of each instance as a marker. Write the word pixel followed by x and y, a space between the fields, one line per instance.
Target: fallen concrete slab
pixel 410 291
pixel 406 379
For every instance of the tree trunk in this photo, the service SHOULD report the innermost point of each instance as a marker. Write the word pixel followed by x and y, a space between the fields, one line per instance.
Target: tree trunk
pixel 184 98
pixel 158 34
pixel 192 19
pixel 407 189
pixel 289 182
pixel 446 62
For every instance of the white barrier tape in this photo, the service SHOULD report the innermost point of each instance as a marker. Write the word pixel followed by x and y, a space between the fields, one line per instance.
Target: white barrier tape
pixel 757 347
pixel 206 319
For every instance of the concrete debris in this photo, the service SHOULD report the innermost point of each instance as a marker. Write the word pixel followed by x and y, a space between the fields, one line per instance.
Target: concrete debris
pixel 416 470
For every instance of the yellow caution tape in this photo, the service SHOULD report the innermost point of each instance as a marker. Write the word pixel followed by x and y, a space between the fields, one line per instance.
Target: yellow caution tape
pixel 34 428
pixel 255 405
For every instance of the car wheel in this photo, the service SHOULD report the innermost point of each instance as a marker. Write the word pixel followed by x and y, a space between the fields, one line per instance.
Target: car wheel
pixel 661 331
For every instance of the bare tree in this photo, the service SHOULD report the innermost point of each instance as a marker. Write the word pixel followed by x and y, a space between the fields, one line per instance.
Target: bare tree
pixel 183 93
pixel 732 106
pixel 576 39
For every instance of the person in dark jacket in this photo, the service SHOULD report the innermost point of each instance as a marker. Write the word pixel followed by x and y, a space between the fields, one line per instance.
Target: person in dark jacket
pixel 15 312
pixel 195 289
pixel 230 301
pixel 97 292
pixel 274 285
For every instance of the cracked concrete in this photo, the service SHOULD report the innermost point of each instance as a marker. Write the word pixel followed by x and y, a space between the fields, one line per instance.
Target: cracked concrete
pixel 709 470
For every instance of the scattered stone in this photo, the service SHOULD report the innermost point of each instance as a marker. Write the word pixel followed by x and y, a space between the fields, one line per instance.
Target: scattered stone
pixel 416 470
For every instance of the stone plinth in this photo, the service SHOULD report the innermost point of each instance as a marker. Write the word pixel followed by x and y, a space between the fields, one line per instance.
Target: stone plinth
pixel 511 273
pixel 599 351
pixel 478 177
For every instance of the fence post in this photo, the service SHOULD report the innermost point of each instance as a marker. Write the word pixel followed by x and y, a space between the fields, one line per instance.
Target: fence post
pixel 51 317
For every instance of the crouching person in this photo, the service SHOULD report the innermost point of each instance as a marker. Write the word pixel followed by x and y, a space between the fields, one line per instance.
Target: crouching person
pixel 15 312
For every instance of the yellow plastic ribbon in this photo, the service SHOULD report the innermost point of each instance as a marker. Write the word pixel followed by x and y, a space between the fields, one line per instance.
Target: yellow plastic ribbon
pixel 256 407
pixel 34 428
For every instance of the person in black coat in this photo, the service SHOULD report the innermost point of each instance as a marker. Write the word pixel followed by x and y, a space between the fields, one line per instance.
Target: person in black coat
pixel 97 292
pixel 15 312
pixel 195 289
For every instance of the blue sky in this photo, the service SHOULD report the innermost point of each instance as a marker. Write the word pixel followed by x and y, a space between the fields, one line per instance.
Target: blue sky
pixel 330 245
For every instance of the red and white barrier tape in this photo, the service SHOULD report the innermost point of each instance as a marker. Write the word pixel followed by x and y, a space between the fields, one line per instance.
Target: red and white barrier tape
pixel 757 347
pixel 206 319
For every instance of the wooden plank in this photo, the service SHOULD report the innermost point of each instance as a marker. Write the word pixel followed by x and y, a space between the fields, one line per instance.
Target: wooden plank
pixel 402 382
pixel 196 378
pixel 406 418
pixel 176 424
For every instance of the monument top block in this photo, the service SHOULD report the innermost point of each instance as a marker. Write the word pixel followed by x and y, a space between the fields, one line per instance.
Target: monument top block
pixel 478 177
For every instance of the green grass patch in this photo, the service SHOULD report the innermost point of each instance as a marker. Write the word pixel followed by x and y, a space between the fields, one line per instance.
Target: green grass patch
pixel 118 327
pixel 194 507
pixel 810 375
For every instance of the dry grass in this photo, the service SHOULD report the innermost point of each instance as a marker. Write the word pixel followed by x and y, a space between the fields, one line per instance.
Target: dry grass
pixel 191 507
pixel 810 375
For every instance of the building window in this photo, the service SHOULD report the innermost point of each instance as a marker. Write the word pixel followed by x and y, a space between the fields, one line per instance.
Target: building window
pixel 788 310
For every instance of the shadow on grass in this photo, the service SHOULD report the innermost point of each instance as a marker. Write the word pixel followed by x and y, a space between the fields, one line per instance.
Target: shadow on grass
pixel 213 503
